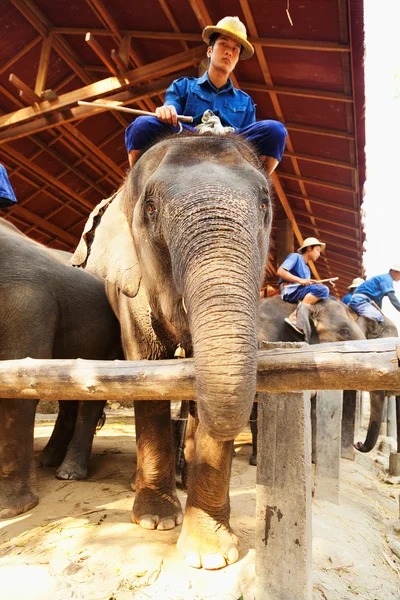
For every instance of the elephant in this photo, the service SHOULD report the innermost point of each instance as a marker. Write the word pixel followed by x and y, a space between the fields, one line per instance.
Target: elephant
pixel 326 321
pixel 47 310
pixel 182 246
pixel 372 330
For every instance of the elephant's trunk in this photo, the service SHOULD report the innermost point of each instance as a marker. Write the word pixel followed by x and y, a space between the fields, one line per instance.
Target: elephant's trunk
pixel 220 276
pixel 377 402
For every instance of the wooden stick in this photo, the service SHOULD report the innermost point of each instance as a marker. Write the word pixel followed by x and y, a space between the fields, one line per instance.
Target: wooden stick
pixel 132 111
pixel 365 364
pixel 330 279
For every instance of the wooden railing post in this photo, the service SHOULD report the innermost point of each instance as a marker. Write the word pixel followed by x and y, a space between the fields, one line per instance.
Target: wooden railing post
pixel 349 420
pixel 283 523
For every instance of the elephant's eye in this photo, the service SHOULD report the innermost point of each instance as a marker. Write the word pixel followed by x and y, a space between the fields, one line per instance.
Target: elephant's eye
pixel 150 208
pixel 264 205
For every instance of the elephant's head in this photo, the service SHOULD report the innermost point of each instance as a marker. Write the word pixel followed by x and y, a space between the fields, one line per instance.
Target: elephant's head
pixel 327 321
pixel 374 329
pixel 192 222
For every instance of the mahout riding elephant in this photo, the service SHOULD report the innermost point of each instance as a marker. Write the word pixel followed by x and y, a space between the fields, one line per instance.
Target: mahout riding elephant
pixel 47 310
pixel 326 321
pixel 373 330
pixel 182 246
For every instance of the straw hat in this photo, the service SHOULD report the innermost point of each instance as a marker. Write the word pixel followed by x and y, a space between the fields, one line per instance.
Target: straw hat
pixel 312 242
pixel 233 28
pixel 356 282
pixel 395 267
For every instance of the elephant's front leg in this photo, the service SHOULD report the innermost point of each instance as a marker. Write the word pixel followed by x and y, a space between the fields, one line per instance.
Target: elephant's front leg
pixel 206 539
pixel 156 504
pixel 17 469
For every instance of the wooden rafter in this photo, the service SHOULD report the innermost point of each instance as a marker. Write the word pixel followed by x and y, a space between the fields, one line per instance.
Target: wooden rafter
pixel 43 65
pixel 106 86
pixel 297 91
pixel 49 121
pixel 326 203
pixel 266 42
pixel 320 182
pixel 321 160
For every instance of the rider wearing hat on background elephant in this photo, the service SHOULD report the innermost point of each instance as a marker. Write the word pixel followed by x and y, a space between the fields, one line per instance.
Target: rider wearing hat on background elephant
pixel 354 284
pixel 295 283
pixel 190 96
pixel 367 298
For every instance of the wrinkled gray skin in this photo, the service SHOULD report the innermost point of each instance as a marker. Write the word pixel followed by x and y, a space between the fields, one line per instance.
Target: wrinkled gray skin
pixel 373 330
pixel 47 310
pixel 326 321
pixel 191 221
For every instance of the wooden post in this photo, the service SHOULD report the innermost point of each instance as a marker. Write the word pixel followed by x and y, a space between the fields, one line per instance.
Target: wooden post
pixel 283 522
pixel 349 423
pixel 328 445
pixel 284 240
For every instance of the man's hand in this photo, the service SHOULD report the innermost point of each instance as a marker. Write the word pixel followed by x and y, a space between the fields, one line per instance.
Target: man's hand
pixel 306 281
pixel 167 114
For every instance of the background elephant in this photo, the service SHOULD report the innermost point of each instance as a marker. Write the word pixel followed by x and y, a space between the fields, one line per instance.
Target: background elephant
pixel 182 246
pixel 47 310
pixel 372 330
pixel 328 320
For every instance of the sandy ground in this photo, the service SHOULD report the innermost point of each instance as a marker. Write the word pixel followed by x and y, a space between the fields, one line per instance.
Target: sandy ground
pixel 79 542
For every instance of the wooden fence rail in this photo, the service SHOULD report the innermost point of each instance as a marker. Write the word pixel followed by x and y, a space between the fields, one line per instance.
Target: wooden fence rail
pixel 366 365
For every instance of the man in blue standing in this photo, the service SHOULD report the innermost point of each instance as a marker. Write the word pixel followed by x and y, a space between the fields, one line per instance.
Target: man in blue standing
pixel 354 284
pixel 227 43
pixel 367 298
pixel 7 196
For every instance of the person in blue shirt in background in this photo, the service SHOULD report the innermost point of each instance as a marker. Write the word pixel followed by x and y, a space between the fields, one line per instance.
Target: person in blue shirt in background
pixel 227 43
pixel 7 196
pixel 372 291
pixel 295 283
pixel 355 283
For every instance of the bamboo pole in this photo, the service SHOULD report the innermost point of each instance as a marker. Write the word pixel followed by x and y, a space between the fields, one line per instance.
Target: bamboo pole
pixel 132 111
pixel 366 364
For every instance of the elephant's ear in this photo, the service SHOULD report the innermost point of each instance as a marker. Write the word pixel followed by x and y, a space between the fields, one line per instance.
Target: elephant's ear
pixel 303 319
pixel 107 248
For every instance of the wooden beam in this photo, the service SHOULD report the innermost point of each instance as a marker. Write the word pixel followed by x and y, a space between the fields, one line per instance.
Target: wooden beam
pixel 266 42
pixel 331 162
pixel 97 49
pixel 296 91
pixel 320 131
pixel 119 63
pixel 366 364
pixel 48 121
pixel 24 90
pixel 44 175
pixel 71 240
pixel 124 48
pixel 342 226
pixel 326 203
pixel 41 77
pixel 101 88
pixel 319 182
pixel 291 217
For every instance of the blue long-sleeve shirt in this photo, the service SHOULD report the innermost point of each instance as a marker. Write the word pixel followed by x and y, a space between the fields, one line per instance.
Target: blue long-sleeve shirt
pixel 192 97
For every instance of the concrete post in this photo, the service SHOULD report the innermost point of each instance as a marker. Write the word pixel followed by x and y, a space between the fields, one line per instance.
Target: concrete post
pixel 283 522
pixel 328 445
pixel 383 429
pixel 391 417
pixel 394 458
pixel 349 423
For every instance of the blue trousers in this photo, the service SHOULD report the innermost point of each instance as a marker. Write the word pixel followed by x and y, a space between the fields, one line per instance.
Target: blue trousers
pixel 269 137
pixel 363 307
pixel 295 295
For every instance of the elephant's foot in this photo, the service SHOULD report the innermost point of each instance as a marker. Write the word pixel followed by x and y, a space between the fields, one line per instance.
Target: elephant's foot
pixel 154 509
pixel 71 469
pixel 21 503
pixel 50 457
pixel 253 460
pixel 206 542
